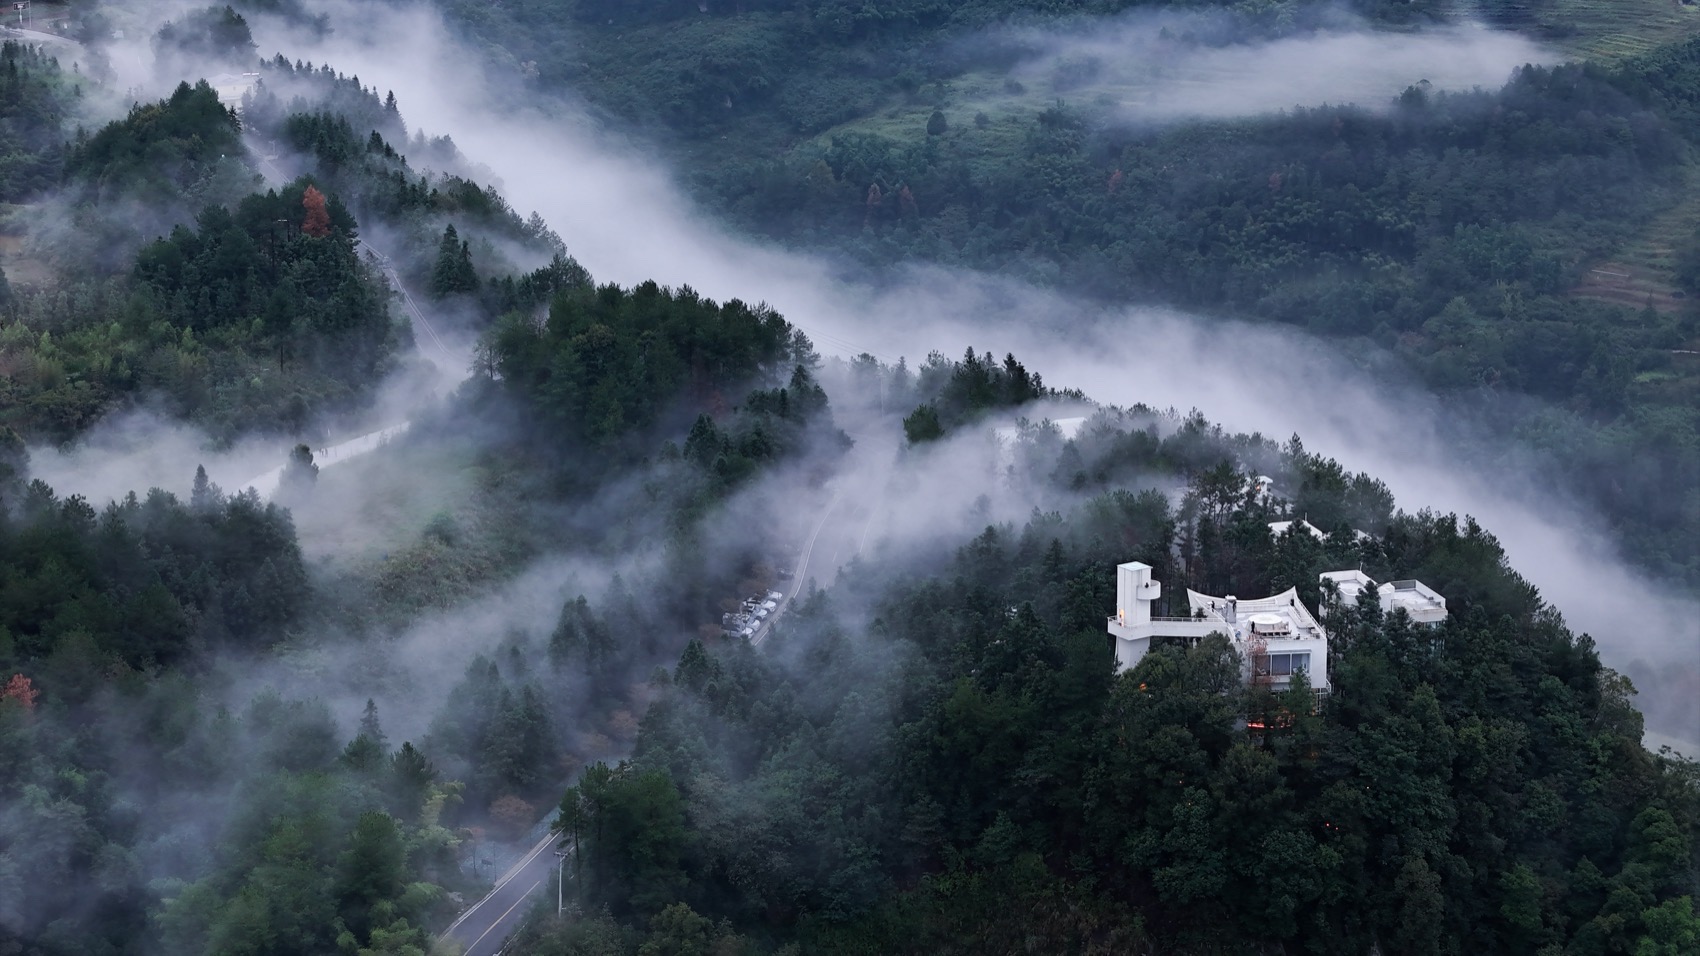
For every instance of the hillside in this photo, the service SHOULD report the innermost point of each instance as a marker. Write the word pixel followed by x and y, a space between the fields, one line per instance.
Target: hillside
pixel 1446 229
pixel 723 645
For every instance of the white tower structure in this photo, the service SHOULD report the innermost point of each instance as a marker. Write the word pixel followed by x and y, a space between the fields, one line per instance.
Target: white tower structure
pixel 1133 625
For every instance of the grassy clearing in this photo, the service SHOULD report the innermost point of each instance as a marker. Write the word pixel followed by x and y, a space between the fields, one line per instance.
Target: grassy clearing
pixel 22 269
pixel 418 525
pixel 1615 29
pixel 369 507
pixel 1643 272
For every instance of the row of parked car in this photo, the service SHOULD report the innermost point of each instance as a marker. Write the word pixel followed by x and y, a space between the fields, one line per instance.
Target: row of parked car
pixel 751 615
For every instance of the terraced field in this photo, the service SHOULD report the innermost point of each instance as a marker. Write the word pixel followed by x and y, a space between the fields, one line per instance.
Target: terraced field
pixel 1599 29
pixel 1643 272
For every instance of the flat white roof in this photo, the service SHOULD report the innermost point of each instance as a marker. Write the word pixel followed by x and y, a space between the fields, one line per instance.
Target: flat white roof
pixel 1351 583
pixel 1284 608
pixel 1423 603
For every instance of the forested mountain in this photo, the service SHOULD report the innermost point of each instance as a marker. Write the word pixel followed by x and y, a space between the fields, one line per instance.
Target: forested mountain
pixel 128 631
pixel 975 780
pixel 250 309
pixel 1446 229
pixel 35 93
pixel 327 722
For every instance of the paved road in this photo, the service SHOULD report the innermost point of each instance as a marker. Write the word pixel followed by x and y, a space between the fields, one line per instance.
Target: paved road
pixel 800 574
pixel 39 37
pixel 336 454
pixel 842 530
pixel 419 321
pixel 487 924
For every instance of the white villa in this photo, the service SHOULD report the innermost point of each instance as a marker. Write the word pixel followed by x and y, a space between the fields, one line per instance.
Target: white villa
pixel 1277 636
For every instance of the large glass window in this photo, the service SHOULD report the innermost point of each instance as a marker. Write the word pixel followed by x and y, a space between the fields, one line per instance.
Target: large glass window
pixel 1283 665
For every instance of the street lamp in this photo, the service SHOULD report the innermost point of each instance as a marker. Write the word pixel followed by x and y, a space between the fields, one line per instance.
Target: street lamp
pixel 560 882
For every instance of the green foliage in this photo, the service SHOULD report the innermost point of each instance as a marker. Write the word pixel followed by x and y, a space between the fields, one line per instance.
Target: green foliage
pixel 241 321
pixel 496 738
pixel 209 35
pixel 145 581
pixel 966 769
pixel 1448 229
pixel 270 844
pixel 159 150
pixel 627 827
pixel 922 425
pixel 453 274
pixel 610 364
pixel 34 97
pixel 959 392
pixel 357 141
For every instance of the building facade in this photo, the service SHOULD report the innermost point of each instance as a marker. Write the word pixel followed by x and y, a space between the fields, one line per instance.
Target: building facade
pixel 1277 636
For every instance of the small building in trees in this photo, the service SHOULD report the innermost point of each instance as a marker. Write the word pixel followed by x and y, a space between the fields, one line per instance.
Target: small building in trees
pixel 232 87
pixel 1279 528
pixel 1423 603
pixel 1276 636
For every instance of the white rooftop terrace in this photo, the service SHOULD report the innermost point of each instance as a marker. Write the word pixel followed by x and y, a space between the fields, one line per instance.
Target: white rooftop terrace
pixel 1424 604
pixel 1421 602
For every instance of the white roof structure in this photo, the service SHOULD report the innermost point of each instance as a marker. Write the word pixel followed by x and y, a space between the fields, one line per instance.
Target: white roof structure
pixel 1276 635
pixel 1424 604
pixel 1279 528
pixel 1421 602
pixel 1350 583
pixel 231 87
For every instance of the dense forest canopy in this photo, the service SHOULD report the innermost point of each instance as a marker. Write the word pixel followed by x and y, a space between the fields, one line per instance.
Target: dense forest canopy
pixel 256 317
pixel 975 776
pixel 1449 229
pixel 329 721
pixel 301 838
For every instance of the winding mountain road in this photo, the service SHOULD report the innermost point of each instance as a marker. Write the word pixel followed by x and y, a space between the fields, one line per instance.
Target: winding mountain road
pixel 484 928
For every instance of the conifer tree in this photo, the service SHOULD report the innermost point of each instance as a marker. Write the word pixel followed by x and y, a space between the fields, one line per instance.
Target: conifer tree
pixel 453 272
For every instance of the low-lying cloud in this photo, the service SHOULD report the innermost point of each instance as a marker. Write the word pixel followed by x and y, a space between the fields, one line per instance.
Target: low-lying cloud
pixel 1143 69
pixel 625 219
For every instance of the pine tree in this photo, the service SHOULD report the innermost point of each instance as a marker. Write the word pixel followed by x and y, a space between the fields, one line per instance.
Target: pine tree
pixel 204 495
pixel 369 726
pixel 453 272
pixel 300 473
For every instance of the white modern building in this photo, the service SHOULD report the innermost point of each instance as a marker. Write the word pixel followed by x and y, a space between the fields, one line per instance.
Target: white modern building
pixel 1279 528
pixel 1277 636
pixel 231 87
pixel 1423 603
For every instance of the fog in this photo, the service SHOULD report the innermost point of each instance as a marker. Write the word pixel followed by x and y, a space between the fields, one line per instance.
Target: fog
pixel 623 216
pixel 1145 69
pixel 141 448
pixel 626 220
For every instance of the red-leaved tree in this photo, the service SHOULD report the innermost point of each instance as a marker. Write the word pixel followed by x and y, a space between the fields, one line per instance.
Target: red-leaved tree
pixel 318 222
pixel 21 690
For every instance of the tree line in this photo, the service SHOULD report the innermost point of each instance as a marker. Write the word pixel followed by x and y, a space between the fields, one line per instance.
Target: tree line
pixel 955 768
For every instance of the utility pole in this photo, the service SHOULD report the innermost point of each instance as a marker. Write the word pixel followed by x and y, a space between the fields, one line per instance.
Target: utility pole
pixel 560 882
